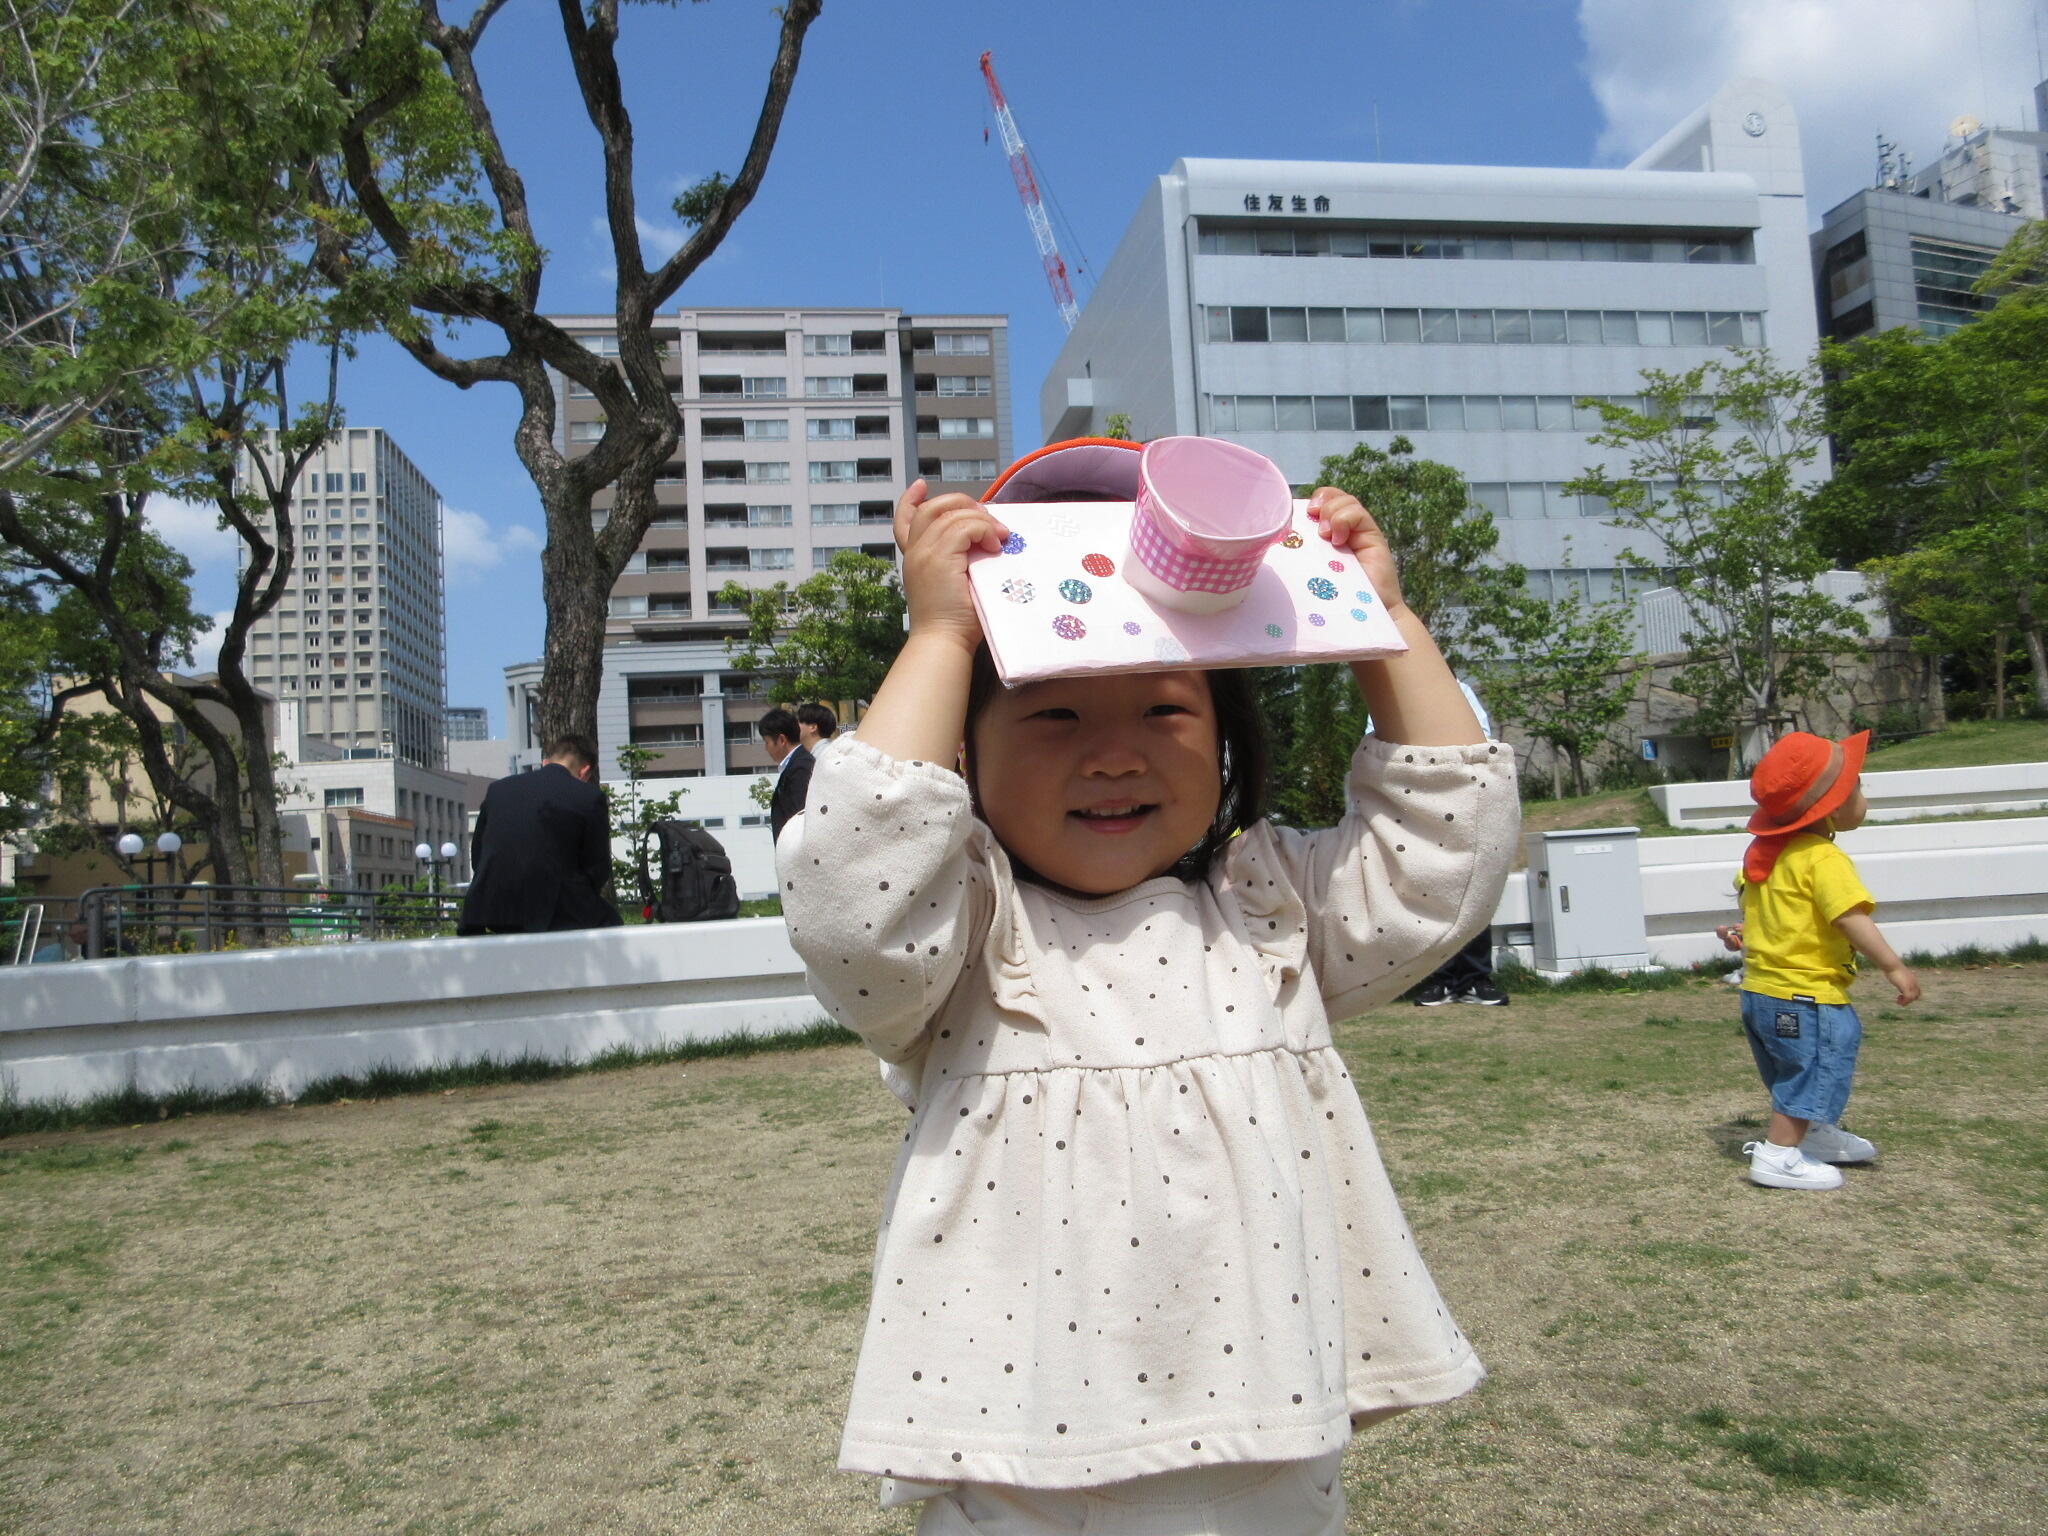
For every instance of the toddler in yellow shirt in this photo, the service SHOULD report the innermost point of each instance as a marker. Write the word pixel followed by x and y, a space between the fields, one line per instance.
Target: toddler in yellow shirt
pixel 1805 917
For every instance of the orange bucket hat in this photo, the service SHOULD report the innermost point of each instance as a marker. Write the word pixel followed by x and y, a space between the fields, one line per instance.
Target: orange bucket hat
pixel 1802 780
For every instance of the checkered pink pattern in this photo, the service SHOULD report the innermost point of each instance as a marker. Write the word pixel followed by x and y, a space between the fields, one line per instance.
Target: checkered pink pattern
pixel 1186 570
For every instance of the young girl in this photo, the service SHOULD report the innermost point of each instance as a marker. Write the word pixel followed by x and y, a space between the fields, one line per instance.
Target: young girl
pixel 1140 1268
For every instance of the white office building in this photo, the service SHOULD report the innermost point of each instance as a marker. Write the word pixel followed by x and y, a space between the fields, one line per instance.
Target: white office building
pixel 1301 307
pixel 358 639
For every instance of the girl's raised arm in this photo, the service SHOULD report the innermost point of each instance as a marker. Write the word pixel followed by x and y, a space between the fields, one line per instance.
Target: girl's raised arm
pixel 920 710
pixel 1414 699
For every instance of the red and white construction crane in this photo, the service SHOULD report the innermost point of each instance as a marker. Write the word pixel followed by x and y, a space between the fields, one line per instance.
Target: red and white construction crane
pixel 1034 205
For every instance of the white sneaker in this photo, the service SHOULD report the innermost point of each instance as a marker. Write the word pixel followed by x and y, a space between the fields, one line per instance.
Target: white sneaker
pixel 1788 1168
pixel 1832 1144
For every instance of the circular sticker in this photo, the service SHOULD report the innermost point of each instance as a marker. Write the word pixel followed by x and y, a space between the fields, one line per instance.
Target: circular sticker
pixel 1322 587
pixel 1363 597
pixel 1275 631
pixel 1098 565
pixel 1014 544
pixel 1358 613
pixel 1166 648
pixel 1292 541
pixel 1063 525
pixel 1132 627
pixel 1018 590
pixel 1067 627
pixel 1316 619
pixel 1336 565
pixel 1076 591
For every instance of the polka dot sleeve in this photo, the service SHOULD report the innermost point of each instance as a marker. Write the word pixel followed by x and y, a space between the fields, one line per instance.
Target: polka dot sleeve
pixel 885 889
pixel 1413 870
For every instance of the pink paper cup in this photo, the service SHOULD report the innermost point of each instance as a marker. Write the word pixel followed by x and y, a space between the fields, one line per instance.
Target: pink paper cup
pixel 1206 513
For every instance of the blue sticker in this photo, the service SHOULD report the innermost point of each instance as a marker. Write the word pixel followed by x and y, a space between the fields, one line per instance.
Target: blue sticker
pixel 1275 631
pixel 1075 591
pixel 1358 613
pixel 1363 597
pixel 1322 587
pixel 1014 544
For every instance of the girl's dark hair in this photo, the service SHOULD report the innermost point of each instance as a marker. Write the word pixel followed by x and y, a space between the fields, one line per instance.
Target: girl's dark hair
pixel 1243 753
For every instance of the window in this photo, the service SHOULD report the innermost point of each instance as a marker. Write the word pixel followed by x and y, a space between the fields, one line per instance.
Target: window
pixel 1447 413
pixel 960 344
pixel 333 483
pixel 959 385
pixel 967 426
pixel 1254 413
pixel 837 512
pixel 828 346
pixel 1247 324
pixel 358 480
pixel 822 554
pixel 1362 325
pixel 764 388
pixel 830 429
pixel 770 559
pixel 585 431
pixel 834 471
pixel 351 796
pixel 1546 326
pixel 763 429
pixel 1326 325
pixel 835 386
pixel 768 516
pixel 768 472
pixel 626 607
pixel 1408 413
pixel 1401 324
pixel 1369 413
pixel 967 469
pixel 1287 325
pixel 1518 413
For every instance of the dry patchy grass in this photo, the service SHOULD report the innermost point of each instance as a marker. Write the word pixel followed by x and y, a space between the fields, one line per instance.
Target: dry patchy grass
pixel 631 1302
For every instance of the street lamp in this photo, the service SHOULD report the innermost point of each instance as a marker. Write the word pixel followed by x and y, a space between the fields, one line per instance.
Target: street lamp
pixel 129 845
pixel 426 854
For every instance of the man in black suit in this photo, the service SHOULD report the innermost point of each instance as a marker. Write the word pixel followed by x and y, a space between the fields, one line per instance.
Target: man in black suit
pixel 542 851
pixel 779 734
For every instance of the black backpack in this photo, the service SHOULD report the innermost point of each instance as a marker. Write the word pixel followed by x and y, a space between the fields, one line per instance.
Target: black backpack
pixel 696 876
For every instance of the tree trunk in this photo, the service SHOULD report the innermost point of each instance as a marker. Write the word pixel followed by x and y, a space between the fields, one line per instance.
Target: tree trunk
pixel 2037 660
pixel 1999 645
pixel 1556 772
pixel 1934 698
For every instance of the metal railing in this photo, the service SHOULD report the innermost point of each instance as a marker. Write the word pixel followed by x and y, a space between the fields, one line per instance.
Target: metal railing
pixel 179 919
pixel 32 923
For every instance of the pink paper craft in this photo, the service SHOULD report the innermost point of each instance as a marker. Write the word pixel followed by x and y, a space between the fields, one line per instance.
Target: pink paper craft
pixel 1056 603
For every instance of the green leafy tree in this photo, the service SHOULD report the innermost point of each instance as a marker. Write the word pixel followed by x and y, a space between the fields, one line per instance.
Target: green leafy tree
pixel 1943 454
pixel 1568 676
pixel 1443 542
pixel 1321 720
pixel 1954 599
pixel 156 285
pixel 633 815
pixel 426 210
pixel 1118 426
pixel 832 636
pixel 1716 484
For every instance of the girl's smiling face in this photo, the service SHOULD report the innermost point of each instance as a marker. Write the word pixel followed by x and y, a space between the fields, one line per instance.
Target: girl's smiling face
pixel 1099 783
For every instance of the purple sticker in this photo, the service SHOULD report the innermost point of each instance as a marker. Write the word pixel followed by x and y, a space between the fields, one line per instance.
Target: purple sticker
pixel 1322 587
pixel 1014 544
pixel 1132 627
pixel 1075 591
pixel 1275 631
pixel 1316 619
pixel 1067 627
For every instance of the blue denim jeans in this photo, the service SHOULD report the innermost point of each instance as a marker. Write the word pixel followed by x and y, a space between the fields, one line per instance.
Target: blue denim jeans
pixel 1805 1052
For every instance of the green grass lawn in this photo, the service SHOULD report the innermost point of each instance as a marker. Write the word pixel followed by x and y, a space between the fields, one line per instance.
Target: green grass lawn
pixel 630 1301
pixel 1966 744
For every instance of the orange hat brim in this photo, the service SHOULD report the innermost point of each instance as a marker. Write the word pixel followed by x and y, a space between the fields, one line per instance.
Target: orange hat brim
pixel 1854 750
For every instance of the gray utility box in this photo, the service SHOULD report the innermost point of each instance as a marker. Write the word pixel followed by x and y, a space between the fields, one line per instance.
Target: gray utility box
pixel 1586 900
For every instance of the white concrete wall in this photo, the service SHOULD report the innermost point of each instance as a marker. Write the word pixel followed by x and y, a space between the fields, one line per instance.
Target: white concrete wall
pixel 1899 796
pixel 1938 887
pixel 287 1017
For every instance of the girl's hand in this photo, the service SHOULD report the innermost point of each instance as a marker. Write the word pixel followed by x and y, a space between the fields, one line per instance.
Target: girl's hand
pixel 1730 935
pixel 1347 524
pixel 936 537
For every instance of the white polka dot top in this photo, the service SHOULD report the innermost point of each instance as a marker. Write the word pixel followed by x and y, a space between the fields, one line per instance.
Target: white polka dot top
pixel 1138 1221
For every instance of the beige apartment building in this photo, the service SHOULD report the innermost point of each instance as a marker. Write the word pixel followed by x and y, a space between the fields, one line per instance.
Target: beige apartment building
pixel 359 638
pixel 800 428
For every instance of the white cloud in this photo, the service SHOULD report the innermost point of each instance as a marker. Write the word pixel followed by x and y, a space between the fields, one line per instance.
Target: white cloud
pixel 193 529
pixel 206 645
pixel 470 545
pixel 1853 68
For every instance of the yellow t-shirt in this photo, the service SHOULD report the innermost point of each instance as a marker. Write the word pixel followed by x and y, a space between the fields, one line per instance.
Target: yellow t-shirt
pixel 1790 944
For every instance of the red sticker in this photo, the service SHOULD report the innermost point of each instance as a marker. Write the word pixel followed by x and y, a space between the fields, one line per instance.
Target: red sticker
pixel 1098 565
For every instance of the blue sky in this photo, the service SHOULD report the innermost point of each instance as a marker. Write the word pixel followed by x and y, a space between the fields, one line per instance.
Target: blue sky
pixel 883 191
